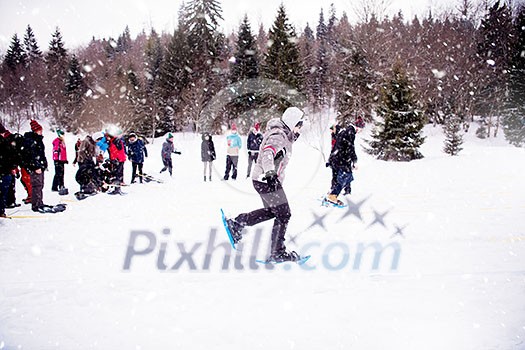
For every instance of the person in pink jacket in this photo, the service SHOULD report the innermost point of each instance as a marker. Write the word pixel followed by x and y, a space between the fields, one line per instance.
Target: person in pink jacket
pixel 60 160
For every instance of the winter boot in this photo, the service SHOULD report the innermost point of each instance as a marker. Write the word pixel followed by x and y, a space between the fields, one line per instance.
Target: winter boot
pixel 204 178
pixel 209 178
pixel 235 230
pixel 283 256
pixel 332 198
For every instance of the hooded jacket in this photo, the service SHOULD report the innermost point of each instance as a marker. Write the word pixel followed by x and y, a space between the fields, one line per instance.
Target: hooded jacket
pixel 59 150
pixel 275 150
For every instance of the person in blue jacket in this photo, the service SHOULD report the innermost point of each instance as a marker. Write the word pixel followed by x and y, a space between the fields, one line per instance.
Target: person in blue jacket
pixel 232 153
pixel 136 151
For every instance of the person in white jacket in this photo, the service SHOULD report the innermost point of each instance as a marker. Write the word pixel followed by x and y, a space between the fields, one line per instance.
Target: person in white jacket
pixel 267 177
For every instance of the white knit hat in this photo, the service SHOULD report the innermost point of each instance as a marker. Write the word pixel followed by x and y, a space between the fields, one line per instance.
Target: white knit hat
pixel 292 116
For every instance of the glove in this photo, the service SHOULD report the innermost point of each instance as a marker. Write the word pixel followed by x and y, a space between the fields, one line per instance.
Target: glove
pixel 272 180
pixel 177 152
pixel 328 164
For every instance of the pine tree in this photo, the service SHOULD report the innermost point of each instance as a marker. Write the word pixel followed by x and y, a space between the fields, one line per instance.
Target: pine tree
pixel 246 65
pixel 307 46
pixel 320 88
pixel 398 137
pixel 153 61
pixel 175 77
pixel 282 60
pixel 74 91
pixel 453 136
pixel 15 57
pixel 514 113
pixel 57 65
pixel 31 47
pixel 205 41
pixel 355 95
pixel 494 51
pixel 57 52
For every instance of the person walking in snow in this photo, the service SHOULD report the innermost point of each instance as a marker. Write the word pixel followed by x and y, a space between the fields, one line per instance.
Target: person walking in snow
pixel 207 153
pixel 254 142
pixel 136 153
pixel 343 161
pixel 267 177
pixel 232 153
pixel 60 160
pixel 167 149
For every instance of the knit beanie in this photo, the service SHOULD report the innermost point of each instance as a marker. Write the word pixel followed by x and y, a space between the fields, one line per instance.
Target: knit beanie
pixel 60 132
pixel 35 126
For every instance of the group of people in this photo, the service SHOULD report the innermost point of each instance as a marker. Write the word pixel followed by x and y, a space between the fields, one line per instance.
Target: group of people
pixel 24 157
pixel 234 144
pixel 268 157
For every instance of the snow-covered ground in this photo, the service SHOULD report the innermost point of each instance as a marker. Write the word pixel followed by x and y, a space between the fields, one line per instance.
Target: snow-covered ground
pixel 429 255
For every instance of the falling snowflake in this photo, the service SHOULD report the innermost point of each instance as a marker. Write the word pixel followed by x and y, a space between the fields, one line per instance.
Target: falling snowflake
pixel 439 74
pixel 491 62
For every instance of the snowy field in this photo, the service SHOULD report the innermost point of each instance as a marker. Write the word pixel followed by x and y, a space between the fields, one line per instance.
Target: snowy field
pixel 429 255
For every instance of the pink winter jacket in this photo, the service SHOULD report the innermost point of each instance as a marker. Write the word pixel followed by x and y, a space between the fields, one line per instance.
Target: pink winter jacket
pixel 59 150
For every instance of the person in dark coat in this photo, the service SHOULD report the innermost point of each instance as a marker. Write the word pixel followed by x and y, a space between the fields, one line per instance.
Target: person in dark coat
pixel 88 175
pixel 167 149
pixel 254 142
pixel 136 153
pixel 343 160
pixel 8 162
pixel 36 163
pixel 207 153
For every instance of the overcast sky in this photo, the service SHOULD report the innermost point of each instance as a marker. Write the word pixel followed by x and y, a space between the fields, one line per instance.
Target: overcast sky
pixel 79 21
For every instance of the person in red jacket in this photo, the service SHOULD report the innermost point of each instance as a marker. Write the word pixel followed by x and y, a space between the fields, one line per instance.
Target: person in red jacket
pixel 60 160
pixel 117 156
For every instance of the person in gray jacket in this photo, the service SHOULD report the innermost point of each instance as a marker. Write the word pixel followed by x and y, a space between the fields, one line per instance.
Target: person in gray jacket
pixel 267 177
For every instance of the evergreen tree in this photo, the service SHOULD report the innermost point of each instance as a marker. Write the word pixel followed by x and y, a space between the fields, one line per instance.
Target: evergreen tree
pixel 124 41
pixel 175 76
pixel 514 113
pixel 57 66
pixel 320 88
pixel 246 65
pixel 355 95
pixel 202 21
pixel 57 52
pixel 398 136
pixel 15 57
pixel 153 61
pixel 74 91
pixel 307 45
pixel 453 136
pixel 282 61
pixel 495 35
pixel 31 47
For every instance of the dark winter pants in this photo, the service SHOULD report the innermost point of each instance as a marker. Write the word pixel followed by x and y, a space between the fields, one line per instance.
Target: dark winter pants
pixel 134 167
pixel 58 180
pixel 344 178
pixel 252 158
pixel 11 192
pixel 275 206
pixel 347 188
pixel 5 182
pixel 118 173
pixel 167 165
pixel 37 183
pixel 231 163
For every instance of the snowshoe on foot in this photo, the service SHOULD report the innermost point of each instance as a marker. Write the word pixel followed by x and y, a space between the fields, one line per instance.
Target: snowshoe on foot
pixel 284 256
pixel 331 200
